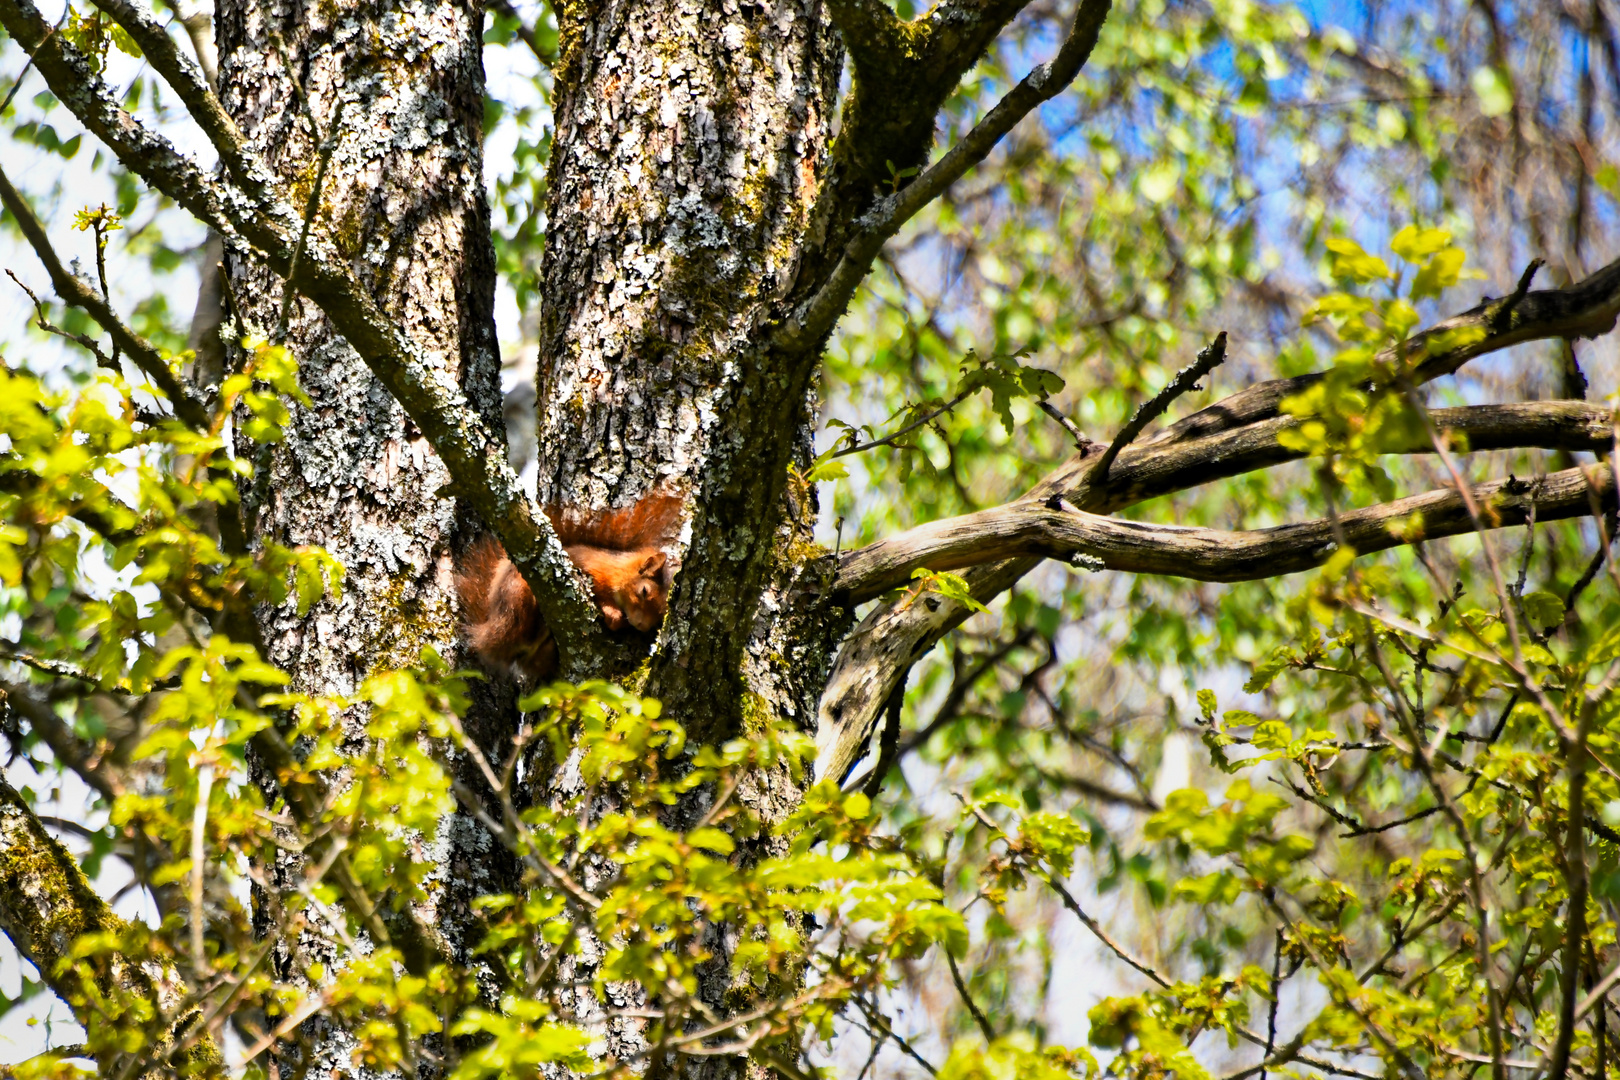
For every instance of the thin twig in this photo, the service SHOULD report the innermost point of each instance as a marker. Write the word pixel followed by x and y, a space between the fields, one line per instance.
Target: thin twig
pixel 1081 441
pixel 1369 830
pixel 967 999
pixel 1590 572
pixel 23 74
pixel 1522 289
pixel 1598 993
pixel 58 669
pixel 1102 935
pixel 1271 1015
pixel 1186 379
pixel 888 440
pixel 102 359
pixel 875 1018
pixel 1576 883
pixel 79 294
pixel 877 1045
pixel 102 233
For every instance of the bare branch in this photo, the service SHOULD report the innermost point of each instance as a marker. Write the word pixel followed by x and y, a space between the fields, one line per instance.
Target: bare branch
pixel 878 652
pixel 1035 528
pixel 1081 441
pixel 967 998
pixel 1583 310
pixel 1009 541
pixel 1186 379
pixel 891 638
pixel 191 84
pixel 1160 468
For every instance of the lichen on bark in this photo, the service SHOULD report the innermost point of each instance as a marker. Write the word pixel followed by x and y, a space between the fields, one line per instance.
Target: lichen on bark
pixel 394 91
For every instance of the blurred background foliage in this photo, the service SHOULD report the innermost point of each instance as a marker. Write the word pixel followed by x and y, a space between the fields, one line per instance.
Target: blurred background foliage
pixel 1191 182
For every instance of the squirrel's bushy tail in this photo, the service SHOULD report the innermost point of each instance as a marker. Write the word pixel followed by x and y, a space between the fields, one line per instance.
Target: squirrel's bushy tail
pixel 654 520
pixel 504 627
pixel 474 572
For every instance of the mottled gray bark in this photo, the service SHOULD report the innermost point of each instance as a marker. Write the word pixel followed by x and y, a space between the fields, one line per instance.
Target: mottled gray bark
pixel 690 147
pixel 393 91
pixel 703 238
pixel 404 197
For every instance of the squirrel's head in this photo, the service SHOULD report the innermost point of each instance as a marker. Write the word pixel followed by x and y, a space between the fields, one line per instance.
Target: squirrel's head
pixel 647 601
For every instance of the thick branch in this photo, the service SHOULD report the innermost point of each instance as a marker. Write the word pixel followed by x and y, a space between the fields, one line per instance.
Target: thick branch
pixel 1011 540
pixel 902 73
pixel 872 33
pixel 1034 528
pixel 1160 468
pixel 878 653
pixel 1154 470
pixel 1198 449
pixel 46 904
pixel 1240 434
pixel 188 81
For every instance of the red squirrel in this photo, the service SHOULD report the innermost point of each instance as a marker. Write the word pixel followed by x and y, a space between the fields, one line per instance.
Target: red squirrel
pixel 621 551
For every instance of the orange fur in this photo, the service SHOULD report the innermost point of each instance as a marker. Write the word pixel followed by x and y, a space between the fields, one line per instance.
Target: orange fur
pixel 621 551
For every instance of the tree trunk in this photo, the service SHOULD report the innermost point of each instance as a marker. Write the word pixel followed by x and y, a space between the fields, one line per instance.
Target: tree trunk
pixel 393 94
pixel 689 150
pixel 690 143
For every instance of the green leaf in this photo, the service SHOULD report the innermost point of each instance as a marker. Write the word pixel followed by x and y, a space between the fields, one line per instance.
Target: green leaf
pixel 949 585
pixel 1415 245
pixel 711 839
pixel 1494 91
pixel 1218 888
pixel 1544 608
pixel 1272 735
pixel 1159 182
pixel 1391 124
pixel 1442 271
pixel 1348 260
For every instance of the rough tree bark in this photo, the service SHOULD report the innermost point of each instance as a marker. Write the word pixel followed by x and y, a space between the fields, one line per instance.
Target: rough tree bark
pixel 371 115
pixel 689 150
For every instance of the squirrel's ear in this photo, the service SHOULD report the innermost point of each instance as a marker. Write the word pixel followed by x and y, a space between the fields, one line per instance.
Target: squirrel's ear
pixel 652 564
